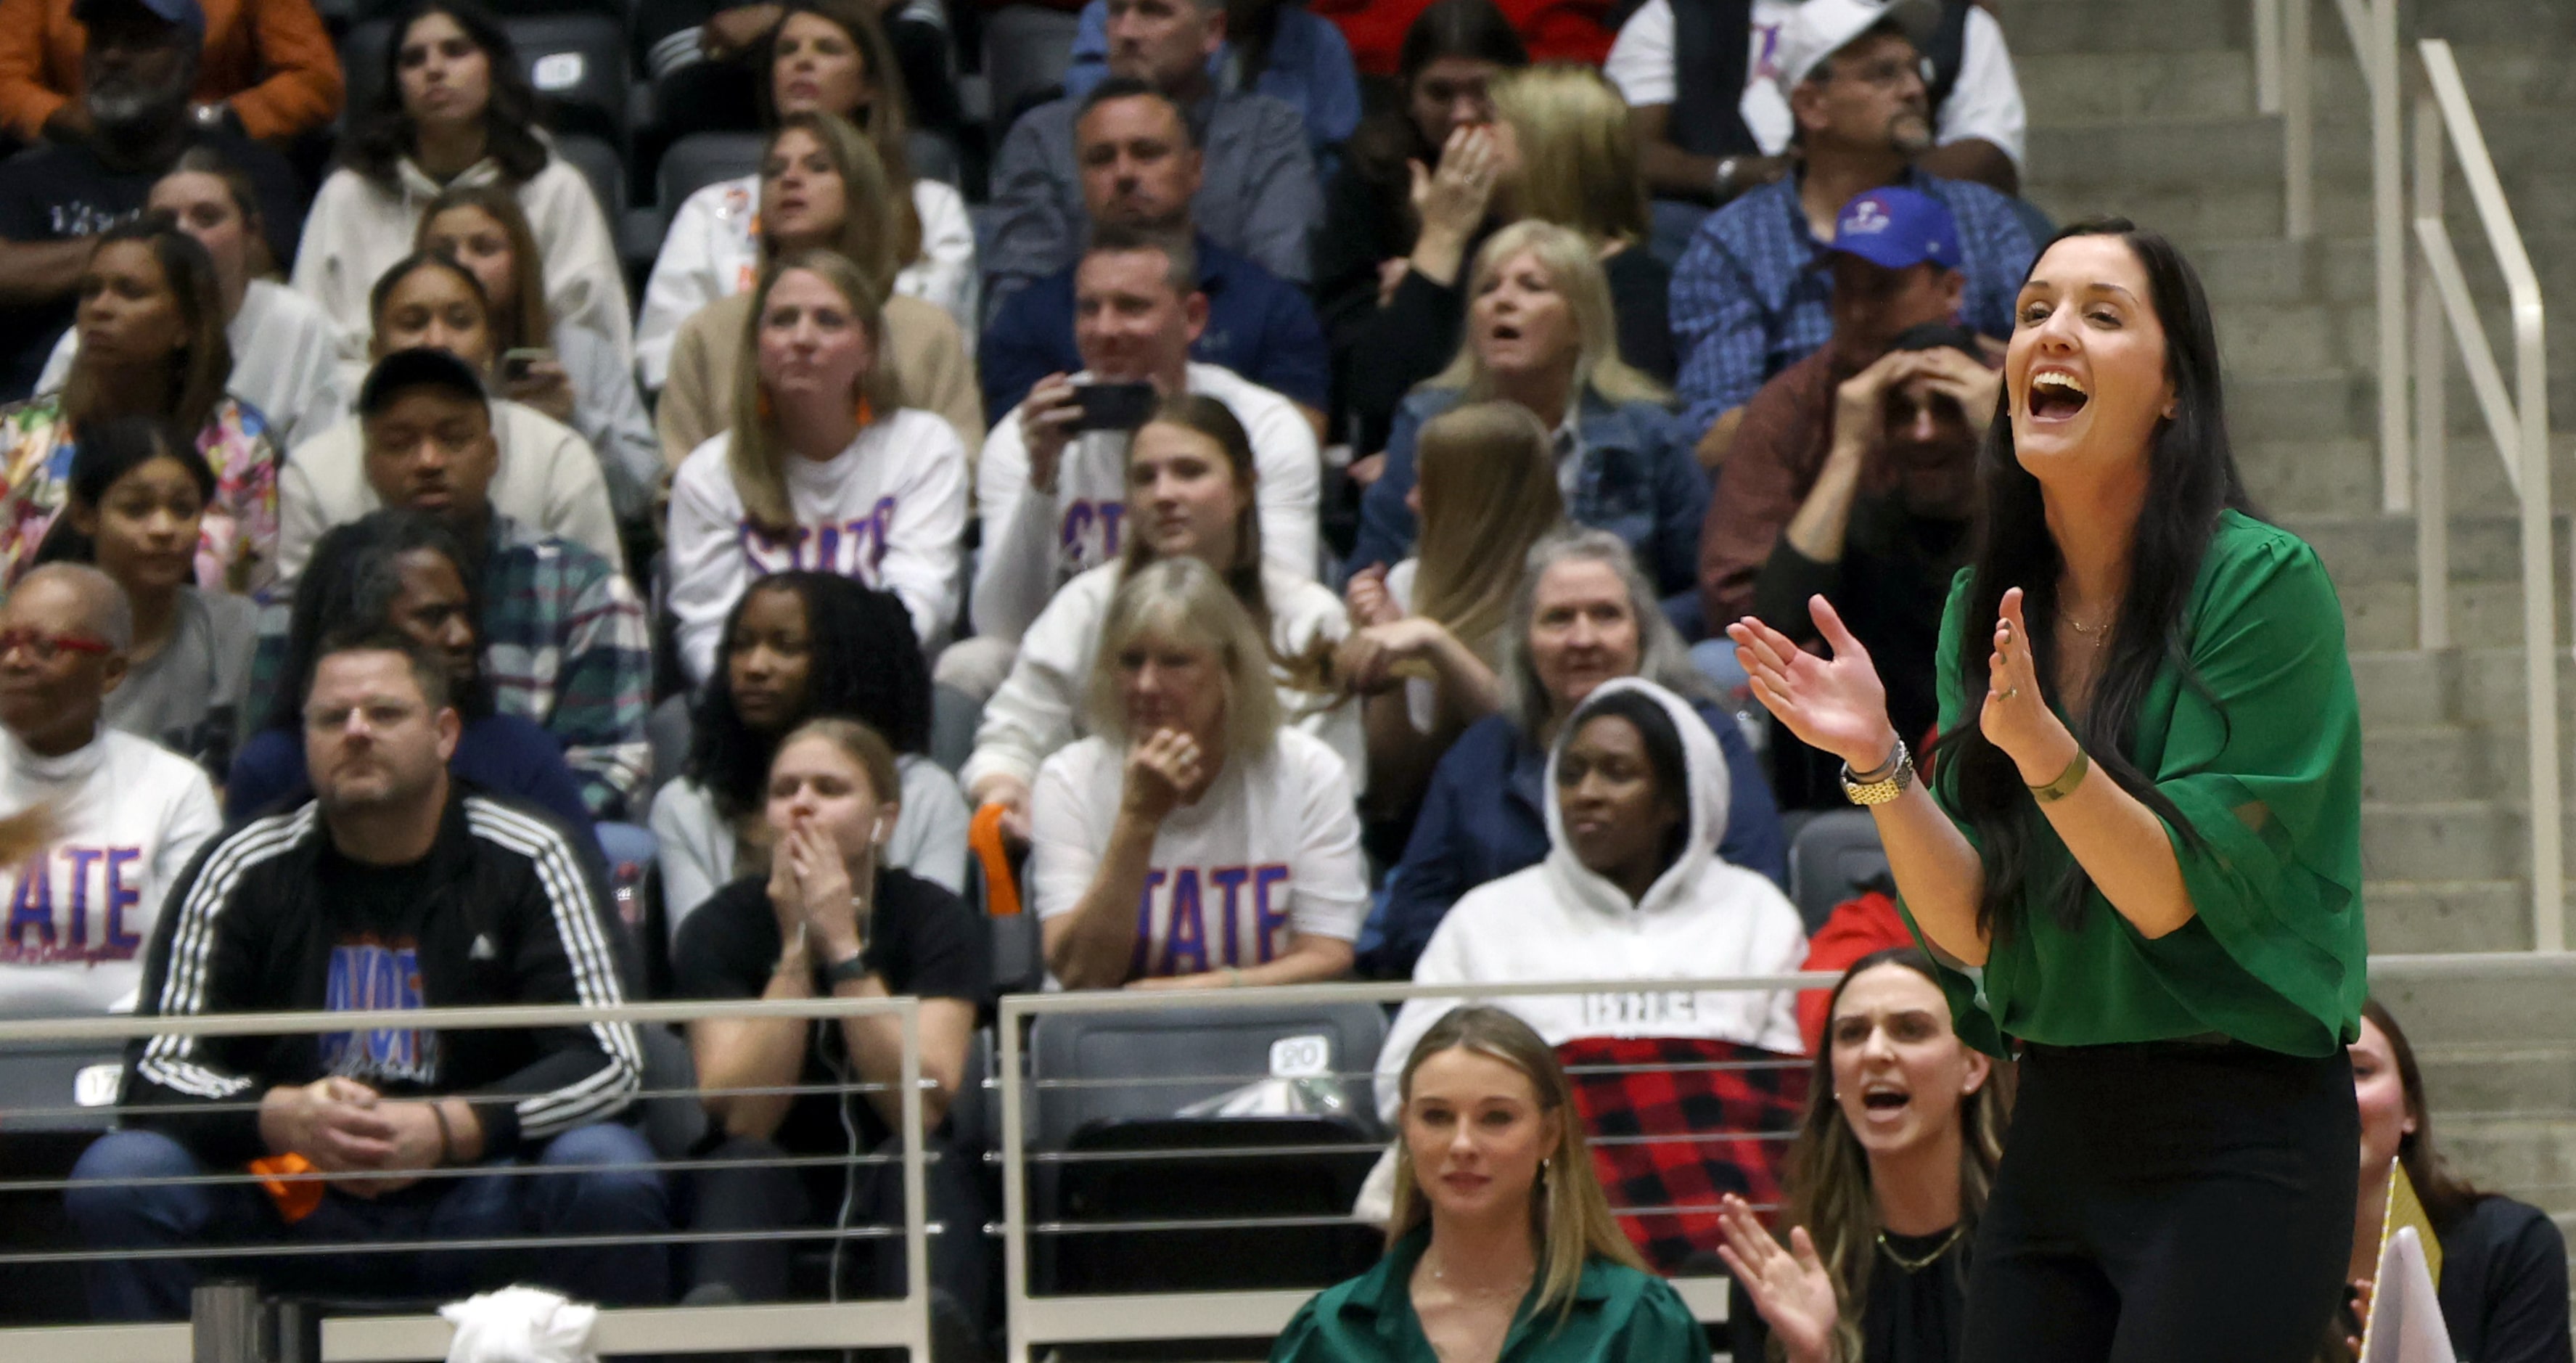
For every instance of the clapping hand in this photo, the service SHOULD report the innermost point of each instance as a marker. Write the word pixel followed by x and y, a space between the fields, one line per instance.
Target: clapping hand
pixel 1835 704
pixel 2015 716
pixel 1790 1287
pixel 825 897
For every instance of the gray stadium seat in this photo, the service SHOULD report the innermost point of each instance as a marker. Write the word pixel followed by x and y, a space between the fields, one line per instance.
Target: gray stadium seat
pixel 600 164
pixel 38 1085
pixel 702 159
pixel 1192 1053
pixel 1830 857
pixel 675 1121
pixel 578 63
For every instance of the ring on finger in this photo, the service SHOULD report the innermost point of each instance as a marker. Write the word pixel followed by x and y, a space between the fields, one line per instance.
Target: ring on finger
pixel 2009 692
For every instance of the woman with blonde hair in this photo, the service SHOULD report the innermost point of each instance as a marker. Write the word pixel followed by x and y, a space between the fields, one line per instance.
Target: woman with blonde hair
pixel 1192 492
pixel 568 373
pixel 1428 630
pixel 1501 1243
pixel 1193 841
pixel 1904 1127
pixel 821 186
pixel 823 469
pixel 832 58
pixel 1540 333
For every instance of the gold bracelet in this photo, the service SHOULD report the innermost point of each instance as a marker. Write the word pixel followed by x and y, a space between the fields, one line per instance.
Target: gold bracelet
pixel 2066 781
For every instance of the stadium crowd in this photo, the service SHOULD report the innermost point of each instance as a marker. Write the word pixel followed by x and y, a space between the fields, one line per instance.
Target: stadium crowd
pixel 1296 511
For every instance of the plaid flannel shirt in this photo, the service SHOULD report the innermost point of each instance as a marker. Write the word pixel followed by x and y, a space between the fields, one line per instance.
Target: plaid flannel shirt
pixel 1750 299
pixel 565 645
pixel 1716 1118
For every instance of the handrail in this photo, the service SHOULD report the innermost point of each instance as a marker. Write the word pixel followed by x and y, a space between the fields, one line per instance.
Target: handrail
pixel 901 1322
pixel 2518 423
pixel 2284 83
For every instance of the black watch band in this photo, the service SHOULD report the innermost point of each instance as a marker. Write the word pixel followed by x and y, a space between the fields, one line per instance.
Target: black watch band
pixel 854 968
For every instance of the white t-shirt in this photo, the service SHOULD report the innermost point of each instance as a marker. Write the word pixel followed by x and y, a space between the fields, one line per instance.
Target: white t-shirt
pixel 890 511
pixel 1273 846
pixel 130 814
pixel 1985 103
pixel 713 251
pixel 1030 548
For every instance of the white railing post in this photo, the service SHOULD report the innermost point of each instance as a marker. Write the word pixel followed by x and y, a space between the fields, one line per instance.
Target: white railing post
pixel 2267 56
pixel 2298 125
pixel 2519 424
pixel 2388 244
pixel 1011 1069
pixel 2432 404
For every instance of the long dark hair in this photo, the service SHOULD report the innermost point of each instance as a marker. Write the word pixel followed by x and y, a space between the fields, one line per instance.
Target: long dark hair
pixel 203 364
pixel 1829 1189
pixel 1383 142
pixel 108 451
pixel 2446 1196
pixel 382 135
pixel 351 583
pixel 865 665
pixel 2191 478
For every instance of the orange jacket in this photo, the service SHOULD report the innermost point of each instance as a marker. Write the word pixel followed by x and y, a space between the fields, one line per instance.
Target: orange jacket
pixel 271 58
pixel 1856 928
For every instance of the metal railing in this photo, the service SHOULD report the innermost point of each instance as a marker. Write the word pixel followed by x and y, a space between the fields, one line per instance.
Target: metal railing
pixel 2518 422
pixel 2415 456
pixel 900 1322
pixel 2285 84
pixel 1041 1320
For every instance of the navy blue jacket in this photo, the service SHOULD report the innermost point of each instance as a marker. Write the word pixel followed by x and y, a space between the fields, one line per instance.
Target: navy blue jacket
pixel 1485 816
pixel 1640 482
pixel 1258 325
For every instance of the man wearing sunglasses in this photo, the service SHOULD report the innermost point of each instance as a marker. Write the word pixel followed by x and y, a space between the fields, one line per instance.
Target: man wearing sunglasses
pixel 126 814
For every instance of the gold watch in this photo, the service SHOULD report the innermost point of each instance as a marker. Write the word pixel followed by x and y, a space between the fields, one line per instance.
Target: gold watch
pixel 1898 774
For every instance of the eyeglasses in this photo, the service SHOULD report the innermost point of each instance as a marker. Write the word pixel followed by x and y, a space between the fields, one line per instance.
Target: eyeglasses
pixel 44 648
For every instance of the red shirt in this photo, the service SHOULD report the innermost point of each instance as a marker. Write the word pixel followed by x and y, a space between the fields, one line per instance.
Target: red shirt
pixel 1555 30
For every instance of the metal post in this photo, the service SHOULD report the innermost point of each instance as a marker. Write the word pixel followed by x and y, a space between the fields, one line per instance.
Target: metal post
pixel 1015 1190
pixel 2540 626
pixel 2388 242
pixel 224 1321
pixel 916 1196
pixel 2432 404
pixel 2267 56
pixel 2298 126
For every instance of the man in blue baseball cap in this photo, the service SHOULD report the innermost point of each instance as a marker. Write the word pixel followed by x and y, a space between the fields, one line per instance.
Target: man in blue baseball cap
pixel 1852 472
pixel 1746 302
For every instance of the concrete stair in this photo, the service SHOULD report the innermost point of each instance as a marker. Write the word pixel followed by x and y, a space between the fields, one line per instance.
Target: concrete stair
pixel 2146 108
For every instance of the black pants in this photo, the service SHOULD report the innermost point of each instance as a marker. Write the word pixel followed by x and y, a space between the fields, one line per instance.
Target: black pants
pixel 2167 1202
pixel 743 1193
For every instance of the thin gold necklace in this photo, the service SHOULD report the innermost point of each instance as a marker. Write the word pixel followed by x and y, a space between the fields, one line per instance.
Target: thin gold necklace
pixel 1918 1265
pixel 1440 1275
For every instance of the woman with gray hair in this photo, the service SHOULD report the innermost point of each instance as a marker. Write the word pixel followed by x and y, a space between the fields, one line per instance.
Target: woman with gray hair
pixel 1584 615
pixel 1540 333
pixel 1194 841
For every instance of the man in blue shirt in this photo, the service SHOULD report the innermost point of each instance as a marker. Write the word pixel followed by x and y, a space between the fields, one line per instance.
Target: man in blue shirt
pixel 1749 299
pixel 1140 170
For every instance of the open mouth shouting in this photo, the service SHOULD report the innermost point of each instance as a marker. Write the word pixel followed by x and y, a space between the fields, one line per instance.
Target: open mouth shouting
pixel 2056 395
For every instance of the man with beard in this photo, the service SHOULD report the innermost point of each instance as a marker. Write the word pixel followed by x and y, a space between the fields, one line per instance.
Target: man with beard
pixel 1854 473
pixel 136 73
pixel 1747 301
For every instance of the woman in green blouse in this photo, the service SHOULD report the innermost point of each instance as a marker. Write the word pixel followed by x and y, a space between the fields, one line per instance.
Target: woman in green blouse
pixel 2139 861
pixel 1501 1247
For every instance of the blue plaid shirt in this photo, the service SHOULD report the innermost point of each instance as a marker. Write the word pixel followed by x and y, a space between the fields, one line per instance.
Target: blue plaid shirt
pixel 564 645
pixel 1749 299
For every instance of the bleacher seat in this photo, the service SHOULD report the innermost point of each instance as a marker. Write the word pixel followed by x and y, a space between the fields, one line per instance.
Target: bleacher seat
pixel 578 64
pixel 702 159
pixel 600 164
pixel 1830 856
pixel 1135 1072
pixel 42 1089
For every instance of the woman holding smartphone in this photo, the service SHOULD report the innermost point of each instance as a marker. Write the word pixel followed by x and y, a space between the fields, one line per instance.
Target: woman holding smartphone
pixel 2139 865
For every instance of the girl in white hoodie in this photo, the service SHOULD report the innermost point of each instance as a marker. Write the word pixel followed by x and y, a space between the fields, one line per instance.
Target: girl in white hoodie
pixel 454 107
pixel 1632 889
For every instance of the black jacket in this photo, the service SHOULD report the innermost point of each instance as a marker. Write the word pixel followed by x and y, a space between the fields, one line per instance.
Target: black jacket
pixel 503 910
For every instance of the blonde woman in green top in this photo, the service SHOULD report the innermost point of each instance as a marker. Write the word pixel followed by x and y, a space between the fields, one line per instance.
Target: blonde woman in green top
pixel 2139 863
pixel 1501 1247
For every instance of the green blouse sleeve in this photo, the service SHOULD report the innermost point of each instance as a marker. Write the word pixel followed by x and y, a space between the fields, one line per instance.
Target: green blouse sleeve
pixel 1304 1340
pixel 2262 758
pixel 1660 1329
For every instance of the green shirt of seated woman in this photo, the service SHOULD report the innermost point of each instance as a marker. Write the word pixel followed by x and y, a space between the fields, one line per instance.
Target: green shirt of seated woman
pixel 1501 1248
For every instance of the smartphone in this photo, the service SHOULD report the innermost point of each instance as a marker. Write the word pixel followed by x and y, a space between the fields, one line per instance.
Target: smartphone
pixel 1112 406
pixel 516 362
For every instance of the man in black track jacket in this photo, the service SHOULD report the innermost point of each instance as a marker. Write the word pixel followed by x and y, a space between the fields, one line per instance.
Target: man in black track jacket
pixel 394 888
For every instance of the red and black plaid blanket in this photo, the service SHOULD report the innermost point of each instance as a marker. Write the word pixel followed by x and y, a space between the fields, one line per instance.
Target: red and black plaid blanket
pixel 1675 1122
